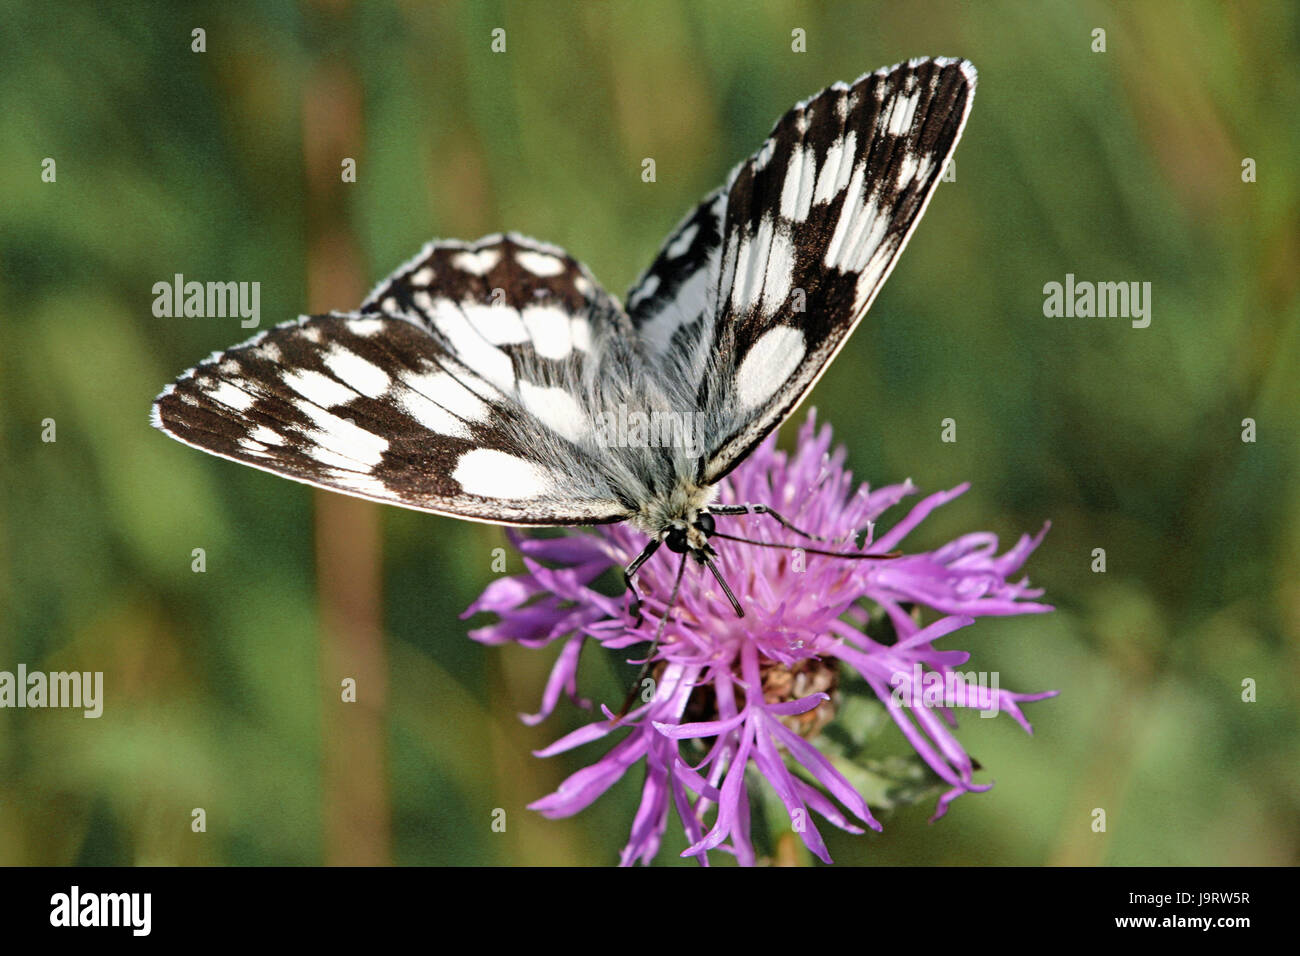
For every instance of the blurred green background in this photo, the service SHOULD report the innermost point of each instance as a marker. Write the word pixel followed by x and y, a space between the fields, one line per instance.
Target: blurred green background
pixel 222 687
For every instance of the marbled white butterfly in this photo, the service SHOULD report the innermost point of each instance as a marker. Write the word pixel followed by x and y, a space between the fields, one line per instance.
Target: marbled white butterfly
pixel 483 380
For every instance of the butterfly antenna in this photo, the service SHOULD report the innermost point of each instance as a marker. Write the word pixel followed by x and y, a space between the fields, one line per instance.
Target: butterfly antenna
pixel 654 646
pixel 851 555
pixel 784 521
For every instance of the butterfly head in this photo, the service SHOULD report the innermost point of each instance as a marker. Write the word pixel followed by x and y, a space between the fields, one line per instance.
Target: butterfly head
pixel 685 536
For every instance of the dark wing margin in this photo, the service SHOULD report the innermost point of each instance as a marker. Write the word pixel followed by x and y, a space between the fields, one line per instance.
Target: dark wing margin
pixel 756 290
pixel 375 407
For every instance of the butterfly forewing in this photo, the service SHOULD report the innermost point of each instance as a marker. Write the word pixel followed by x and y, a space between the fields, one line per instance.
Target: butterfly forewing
pixel 374 406
pixel 758 288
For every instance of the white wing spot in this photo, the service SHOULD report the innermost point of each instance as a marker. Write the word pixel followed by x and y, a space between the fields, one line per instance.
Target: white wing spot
pixel 797 190
pixel 318 388
pixel 422 276
pixel 644 291
pixel 499 324
pixel 834 175
pixel 682 244
pixel 351 369
pixel 477 263
pixel 556 408
pixel 446 391
pixel 467 344
pixel 489 473
pixel 751 263
pixel 873 274
pixel 869 231
pixel 341 442
pixel 580 329
pixel 539 263
pixel 907 170
pixel 768 364
pixel 849 212
pixel 780 272
pixel 548 327
pixel 900 117
pixel 430 415
pixel 365 328
pixel 232 396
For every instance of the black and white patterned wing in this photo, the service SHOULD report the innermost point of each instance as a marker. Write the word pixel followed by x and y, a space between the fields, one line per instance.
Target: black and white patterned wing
pixel 471 399
pixel 524 315
pixel 759 287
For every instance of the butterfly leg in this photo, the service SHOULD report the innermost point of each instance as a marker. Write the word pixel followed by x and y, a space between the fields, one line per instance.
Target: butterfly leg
pixel 630 572
pixel 654 645
pixel 784 522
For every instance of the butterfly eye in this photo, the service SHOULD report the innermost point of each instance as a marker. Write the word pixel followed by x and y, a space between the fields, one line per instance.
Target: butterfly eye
pixel 704 521
pixel 676 540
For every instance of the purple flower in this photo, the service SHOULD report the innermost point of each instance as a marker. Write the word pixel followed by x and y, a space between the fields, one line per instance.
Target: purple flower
pixel 735 694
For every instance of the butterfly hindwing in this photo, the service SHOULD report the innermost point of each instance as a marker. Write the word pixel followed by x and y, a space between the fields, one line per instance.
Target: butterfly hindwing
pixel 523 314
pixel 757 290
pixel 674 301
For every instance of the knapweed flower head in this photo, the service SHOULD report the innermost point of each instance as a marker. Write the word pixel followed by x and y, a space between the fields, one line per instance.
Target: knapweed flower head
pixel 732 695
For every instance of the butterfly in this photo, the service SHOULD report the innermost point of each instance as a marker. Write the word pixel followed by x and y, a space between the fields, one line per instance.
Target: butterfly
pixel 493 380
